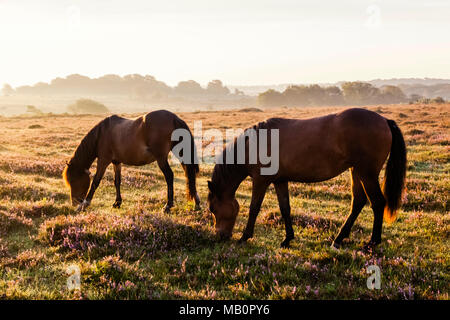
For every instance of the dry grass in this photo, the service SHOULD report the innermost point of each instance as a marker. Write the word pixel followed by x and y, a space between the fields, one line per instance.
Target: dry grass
pixel 137 252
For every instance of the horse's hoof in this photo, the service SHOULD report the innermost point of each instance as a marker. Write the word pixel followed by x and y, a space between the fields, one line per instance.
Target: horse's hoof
pixel 197 207
pixel 167 208
pixel 285 245
pixel 117 204
pixel 243 239
pixel 335 246
pixel 370 246
pixel 83 206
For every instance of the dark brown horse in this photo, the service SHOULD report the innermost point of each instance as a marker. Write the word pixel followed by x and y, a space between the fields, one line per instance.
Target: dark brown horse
pixel 315 150
pixel 136 142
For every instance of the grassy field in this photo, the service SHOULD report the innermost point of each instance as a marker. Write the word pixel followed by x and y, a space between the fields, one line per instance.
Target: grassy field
pixel 138 252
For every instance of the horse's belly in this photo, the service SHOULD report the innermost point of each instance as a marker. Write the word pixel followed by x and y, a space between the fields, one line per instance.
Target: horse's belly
pixel 137 156
pixel 317 175
pixel 315 167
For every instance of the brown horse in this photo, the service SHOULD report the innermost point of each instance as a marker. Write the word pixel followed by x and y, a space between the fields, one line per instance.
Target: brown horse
pixel 131 142
pixel 315 150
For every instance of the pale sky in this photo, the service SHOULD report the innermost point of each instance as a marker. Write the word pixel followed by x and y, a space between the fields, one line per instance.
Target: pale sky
pixel 241 42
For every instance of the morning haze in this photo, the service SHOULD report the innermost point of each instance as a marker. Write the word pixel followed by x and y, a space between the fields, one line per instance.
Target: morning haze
pixel 240 43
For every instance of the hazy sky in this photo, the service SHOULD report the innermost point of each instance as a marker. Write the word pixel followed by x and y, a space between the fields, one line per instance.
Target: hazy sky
pixel 237 41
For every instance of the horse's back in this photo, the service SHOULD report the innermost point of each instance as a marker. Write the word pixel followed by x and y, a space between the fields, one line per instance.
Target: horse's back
pixel 321 148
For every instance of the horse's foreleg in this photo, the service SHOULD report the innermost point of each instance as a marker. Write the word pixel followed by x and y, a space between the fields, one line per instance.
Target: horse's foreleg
pixel 359 200
pixel 282 191
pixel 117 181
pixel 258 192
pixel 101 168
pixel 377 202
pixel 168 175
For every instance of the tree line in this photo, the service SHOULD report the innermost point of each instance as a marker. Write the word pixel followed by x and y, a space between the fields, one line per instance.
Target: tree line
pixel 354 93
pixel 134 85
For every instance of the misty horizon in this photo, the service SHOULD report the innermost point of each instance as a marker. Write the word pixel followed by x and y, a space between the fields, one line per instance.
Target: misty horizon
pixel 243 44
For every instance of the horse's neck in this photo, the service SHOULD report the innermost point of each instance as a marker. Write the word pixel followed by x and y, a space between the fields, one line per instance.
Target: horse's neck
pixel 83 157
pixel 83 163
pixel 235 181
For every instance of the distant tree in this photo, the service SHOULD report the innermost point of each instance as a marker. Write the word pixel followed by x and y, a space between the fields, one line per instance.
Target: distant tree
pixel 392 94
pixel 297 96
pixel 7 90
pixel 140 92
pixel 271 98
pixel 189 87
pixel 360 93
pixel 87 106
pixel 33 110
pixel 333 95
pixel 438 100
pixel 415 97
pixel 41 88
pixel 312 95
pixel 215 87
pixel 25 90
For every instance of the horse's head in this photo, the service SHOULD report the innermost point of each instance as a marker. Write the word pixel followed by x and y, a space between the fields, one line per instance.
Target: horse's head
pixel 225 210
pixel 78 180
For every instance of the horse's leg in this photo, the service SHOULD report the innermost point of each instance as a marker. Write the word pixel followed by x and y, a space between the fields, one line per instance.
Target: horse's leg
pixel 282 191
pixel 359 200
pixel 258 192
pixel 168 175
pixel 377 202
pixel 117 180
pixel 101 168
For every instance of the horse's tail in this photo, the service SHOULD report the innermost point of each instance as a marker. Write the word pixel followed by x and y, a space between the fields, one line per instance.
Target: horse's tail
pixel 190 167
pixel 394 177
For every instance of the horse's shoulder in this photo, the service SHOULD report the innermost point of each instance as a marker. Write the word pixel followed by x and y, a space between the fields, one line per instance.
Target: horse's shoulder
pixel 114 119
pixel 272 123
pixel 160 113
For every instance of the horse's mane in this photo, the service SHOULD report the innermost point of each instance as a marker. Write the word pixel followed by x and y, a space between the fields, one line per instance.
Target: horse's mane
pixel 228 173
pixel 86 151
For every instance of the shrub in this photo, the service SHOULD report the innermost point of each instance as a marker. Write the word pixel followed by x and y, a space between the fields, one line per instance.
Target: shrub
pixel 33 110
pixel 87 106
pixel 438 100
pixel 35 126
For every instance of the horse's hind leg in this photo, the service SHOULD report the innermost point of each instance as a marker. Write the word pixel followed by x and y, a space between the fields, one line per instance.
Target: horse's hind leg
pixel 117 181
pixel 377 202
pixel 282 191
pixel 168 175
pixel 359 200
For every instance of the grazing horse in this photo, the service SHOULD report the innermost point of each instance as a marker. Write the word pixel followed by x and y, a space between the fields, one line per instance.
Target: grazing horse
pixel 136 142
pixel 314 150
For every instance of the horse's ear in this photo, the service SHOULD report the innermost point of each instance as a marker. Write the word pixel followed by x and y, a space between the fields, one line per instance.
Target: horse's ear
pixel 211 186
